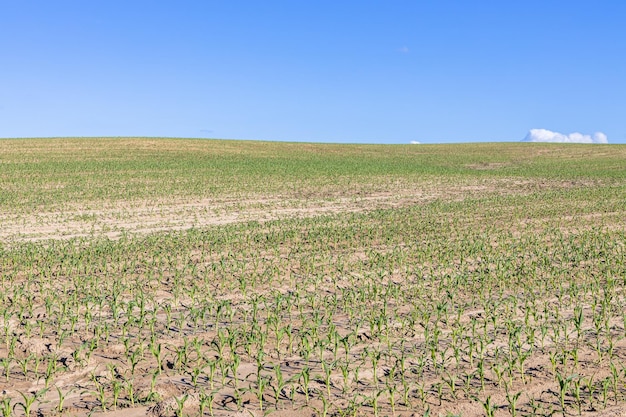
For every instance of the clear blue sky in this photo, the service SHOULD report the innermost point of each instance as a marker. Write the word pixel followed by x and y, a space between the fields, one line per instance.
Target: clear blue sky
pixel 388 71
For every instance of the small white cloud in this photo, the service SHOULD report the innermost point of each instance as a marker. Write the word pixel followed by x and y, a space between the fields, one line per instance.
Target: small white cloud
pixel 404 50
pixel 600 137
pixel 544 135
pixel 414 142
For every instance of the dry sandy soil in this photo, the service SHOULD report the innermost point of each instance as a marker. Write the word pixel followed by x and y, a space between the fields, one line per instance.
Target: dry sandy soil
pixel 115 220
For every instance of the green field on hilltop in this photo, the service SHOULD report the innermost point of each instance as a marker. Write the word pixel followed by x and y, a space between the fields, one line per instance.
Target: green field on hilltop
pixel 197 277
pixel 48 173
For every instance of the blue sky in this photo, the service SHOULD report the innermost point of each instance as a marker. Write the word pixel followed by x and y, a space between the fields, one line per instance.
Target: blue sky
pixel 332 71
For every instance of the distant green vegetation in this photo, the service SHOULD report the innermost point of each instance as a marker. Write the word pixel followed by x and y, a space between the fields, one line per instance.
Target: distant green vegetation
pixel 47 173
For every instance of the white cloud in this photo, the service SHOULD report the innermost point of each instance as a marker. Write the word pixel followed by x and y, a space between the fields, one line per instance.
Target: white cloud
pixel 544 135
pixel 414 142
pixel 403 50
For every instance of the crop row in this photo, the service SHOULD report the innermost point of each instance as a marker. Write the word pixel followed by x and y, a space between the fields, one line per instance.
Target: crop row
pixel 471 307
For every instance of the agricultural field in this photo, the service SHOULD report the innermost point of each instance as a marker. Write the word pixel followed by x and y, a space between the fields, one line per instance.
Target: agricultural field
pixel 179 277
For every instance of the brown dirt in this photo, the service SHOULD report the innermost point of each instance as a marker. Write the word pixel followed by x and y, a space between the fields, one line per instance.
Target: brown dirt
pixel 115 220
